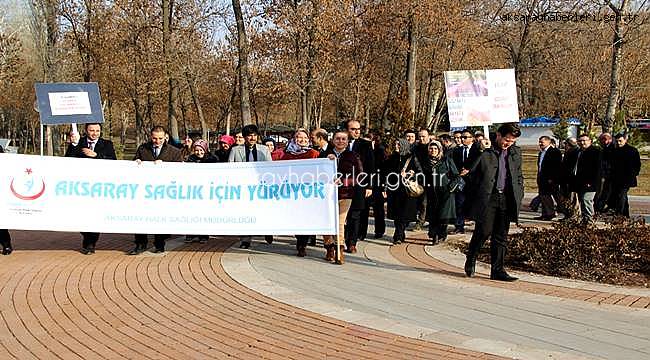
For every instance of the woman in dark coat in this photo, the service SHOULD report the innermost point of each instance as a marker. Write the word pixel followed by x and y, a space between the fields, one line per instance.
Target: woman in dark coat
pixel 200 155
pixel 5 238
pixel 441 205
pixel 402 209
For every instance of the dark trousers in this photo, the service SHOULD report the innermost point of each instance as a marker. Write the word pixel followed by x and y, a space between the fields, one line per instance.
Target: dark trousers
pixel 378 211
pixel 363 220
pixel 605 197
pixel 89 240
pixel 548 205
pixel 620 201
pixel 352 223
pixel 495 225
pixel 460 214
pixel 5 238
pixel 400 230
pixel 422 209
pixel 302 241
pixel 158 240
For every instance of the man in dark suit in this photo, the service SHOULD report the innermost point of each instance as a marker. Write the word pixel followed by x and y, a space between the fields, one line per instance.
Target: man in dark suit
pixel 584 175
pixel 607 146
pixel 549 168
pixel 464 156
pixel 496 187
pixel 359 207
pixel 91 146
pixel 5 238
pixel 626 165
pixel 158 151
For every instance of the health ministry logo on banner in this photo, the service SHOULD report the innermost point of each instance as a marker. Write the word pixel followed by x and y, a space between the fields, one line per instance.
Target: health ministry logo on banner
pixel 27 186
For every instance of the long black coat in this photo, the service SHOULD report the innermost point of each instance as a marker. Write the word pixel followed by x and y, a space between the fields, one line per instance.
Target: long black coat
pixel 587 178
pixel 363 148
pixel 103 148
pixel 401 206
pixel 482 178
pixel 550 171
pixel 441 204
pixel 626 165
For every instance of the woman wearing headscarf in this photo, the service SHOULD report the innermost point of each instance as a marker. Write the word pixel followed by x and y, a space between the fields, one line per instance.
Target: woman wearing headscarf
pixel 299 149
pixel 202 155
pixel 439 172
pixel 225 144
pixel 402 208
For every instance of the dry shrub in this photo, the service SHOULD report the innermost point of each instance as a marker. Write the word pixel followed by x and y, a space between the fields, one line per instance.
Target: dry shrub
pixel 617 252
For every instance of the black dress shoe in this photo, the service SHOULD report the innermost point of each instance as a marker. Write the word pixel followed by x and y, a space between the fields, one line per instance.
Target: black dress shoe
pixel 136 250
pixel 158 250
pixel 379 236
pixel 85 251
pixel 244 245
pixel 268 238
pixel 502 276
pixel 459 231
pixel 470 267
pixel 7 251
pixel 433 239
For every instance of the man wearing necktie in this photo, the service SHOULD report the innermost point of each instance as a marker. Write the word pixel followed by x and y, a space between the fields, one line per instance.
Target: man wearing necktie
pixel 463 156
pixel 249 152
pixel 356 224
pixel 158 151
pixel 91 146
pixel 549 168
pixel 496 187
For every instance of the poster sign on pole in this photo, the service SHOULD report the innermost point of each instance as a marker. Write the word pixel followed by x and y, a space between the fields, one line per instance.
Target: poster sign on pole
pixel 66 103
pixel 481 97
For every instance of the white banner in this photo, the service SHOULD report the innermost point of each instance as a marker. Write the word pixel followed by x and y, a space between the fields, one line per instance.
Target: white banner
pixel 481 97
pixel 257 198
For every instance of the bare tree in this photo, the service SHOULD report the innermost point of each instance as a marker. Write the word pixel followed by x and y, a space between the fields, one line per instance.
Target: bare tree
pixel 242 45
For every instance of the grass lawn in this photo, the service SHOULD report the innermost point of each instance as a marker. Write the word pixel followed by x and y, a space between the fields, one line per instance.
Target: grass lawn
pixel 530 175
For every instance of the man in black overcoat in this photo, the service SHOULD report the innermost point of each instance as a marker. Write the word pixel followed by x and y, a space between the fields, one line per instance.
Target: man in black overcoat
pixel 464 157
pixel 359 207
pixel 496 187
pixel 626 165
pixel 549 170
pixel 584 168
pixel 91 146
pixel 5 238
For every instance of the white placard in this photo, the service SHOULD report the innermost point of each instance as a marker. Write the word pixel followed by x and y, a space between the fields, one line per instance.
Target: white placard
pixel 69 103
pixel 258 198
pixel 481 97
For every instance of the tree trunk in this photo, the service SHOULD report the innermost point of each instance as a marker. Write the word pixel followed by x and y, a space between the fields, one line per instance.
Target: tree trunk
pixel 242 45
pixel 411 64
pixel 197 105
pixel 615 70
pixel 172 103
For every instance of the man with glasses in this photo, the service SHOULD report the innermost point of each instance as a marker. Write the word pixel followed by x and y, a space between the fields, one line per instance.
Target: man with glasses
pixel 359 208
pixel 464 156
pixel 584 175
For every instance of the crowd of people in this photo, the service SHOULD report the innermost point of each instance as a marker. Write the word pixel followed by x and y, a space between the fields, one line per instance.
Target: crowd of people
pixel 439 180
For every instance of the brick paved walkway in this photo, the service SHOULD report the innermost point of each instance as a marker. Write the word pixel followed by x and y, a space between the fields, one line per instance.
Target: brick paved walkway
pixel 57 303
pixel 413 254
